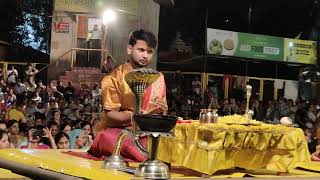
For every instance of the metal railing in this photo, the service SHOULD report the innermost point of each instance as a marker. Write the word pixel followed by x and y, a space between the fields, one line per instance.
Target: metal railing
pixel 73 57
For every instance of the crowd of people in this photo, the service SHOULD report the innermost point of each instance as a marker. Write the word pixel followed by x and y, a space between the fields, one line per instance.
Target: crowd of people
pixel 57 116
pixel 187 102
pixel 38 116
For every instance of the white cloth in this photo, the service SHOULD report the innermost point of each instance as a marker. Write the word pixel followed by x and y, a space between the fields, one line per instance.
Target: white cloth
pixel 291 90
pixel 278 83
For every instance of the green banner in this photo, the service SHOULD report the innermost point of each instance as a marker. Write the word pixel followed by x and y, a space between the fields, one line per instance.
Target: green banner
pixel 96 6
pixel 244 45
pixel 259 47
pixel 264 47
pixel 300 51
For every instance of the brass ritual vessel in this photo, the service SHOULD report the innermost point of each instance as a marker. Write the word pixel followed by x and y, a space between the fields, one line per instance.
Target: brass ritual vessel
pixel 208 116
pixel 142 124
pixel 249 113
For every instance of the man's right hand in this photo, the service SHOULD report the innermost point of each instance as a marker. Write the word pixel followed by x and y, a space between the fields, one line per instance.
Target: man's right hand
pixel 159 107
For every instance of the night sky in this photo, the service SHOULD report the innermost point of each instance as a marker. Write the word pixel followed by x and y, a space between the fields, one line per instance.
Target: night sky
pixel 283 18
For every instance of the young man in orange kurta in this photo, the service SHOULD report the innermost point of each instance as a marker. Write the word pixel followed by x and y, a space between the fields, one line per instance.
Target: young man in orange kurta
pixel 118 99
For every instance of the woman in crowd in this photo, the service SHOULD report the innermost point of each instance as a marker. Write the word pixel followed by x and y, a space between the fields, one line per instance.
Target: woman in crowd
pixel 77 139
pixel 87 128
pixel 56 117
pixel 35 139
pixel 14 136
pixel 4 140
pixel 65 127
pixel 62 140
pixel 54 128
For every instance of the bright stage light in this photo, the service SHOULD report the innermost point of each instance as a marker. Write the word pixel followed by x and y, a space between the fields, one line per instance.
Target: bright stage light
pixel 108 16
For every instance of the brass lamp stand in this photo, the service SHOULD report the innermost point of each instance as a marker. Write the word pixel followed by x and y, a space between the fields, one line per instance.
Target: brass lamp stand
pixel 138 81
pixel 249 113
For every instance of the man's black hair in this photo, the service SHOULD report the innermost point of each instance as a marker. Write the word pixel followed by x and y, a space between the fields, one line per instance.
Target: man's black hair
pixel 143 35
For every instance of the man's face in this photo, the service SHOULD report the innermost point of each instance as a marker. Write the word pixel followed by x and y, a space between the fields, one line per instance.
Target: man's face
pixel 141 54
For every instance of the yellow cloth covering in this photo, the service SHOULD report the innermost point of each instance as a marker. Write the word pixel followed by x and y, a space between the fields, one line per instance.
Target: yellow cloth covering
pixel 7 174
pixel 208 148
pixel 56 161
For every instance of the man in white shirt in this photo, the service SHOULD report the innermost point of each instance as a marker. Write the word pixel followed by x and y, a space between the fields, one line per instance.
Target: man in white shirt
pixel 95 33
pixel 12 75
pixel 20 88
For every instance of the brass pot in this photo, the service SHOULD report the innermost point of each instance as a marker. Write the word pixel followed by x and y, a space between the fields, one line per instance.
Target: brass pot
pixel 208 116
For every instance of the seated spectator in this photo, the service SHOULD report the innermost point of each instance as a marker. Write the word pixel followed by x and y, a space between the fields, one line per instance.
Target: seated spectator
pixel 4 140
pixel 56 117
pixel 66 128
pixel 86 113
pixel 36 97
pixel 41 88
pixel 17 112
pixel 60 87
pixel 78 104
pixel 77 139
pixel 43 108
pixel 72 112
pixel 86 127
pixel 84 91
pixel 10 97
pixel 53 126
pixel 32 108
pixel 62 140
pixel 69 91
pixel 39 119
pixel 30 86
pixel 53 105
pixel 15 137
pixel 96 93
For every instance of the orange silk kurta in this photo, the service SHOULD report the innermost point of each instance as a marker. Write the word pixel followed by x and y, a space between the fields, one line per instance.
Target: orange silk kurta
pixel 117 95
